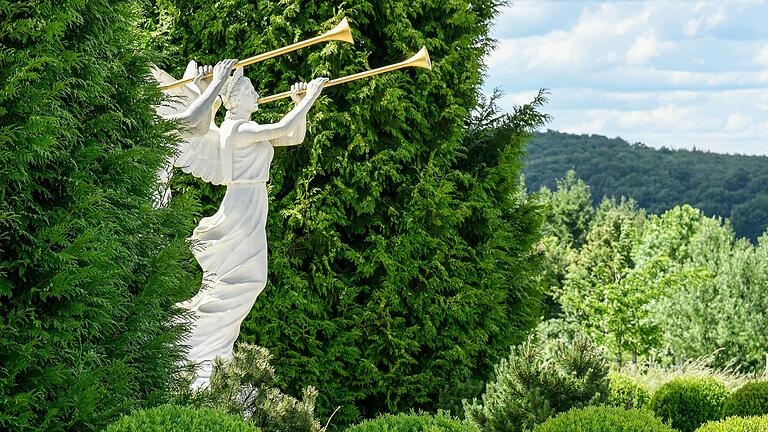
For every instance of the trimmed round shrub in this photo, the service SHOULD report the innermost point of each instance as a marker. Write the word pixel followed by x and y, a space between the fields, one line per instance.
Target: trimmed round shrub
pixel 737 424
pixel 441 422
pixel 689 402
pixel 171 418
pixel 604 419
pixel 625 392
pixel 749 400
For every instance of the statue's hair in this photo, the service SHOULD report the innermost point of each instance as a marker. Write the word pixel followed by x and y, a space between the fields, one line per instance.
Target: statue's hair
pixel 230 94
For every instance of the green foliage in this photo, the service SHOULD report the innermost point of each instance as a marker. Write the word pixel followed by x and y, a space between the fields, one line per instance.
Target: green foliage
pixel 529 388
pixel 731 186
pixel 605 292
pixel 413 423
pixel 737 424
pixel 653 377
pixel 89 271
pixel 718 279
pixel 751 399
pixel 604 419
pixel 570 210
pixel 689 402
pixel 401 258
pixel 171 418
pixel 245 385
pixel 569 216
pixel 452 398
pixel 627 393
pixel 666 287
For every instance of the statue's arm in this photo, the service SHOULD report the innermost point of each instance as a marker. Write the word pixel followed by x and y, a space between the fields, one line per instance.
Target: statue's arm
pixel 290 130
pixel 294 136
pixel 197 116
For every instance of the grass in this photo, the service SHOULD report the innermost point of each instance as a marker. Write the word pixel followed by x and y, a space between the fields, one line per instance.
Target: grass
pixel 655 376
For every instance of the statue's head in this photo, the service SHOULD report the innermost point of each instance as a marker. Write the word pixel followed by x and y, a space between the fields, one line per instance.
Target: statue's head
pixel 238 95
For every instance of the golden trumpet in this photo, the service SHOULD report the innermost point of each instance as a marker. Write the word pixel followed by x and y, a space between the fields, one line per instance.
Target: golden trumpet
pixel 339 33
pixel 420 59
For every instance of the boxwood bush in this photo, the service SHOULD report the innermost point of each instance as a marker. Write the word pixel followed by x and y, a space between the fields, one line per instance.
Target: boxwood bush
pixel 625 392
pixel 689 402
pixel 737 424
pixel 604 419
pixel 171 418
pixel 442 422
pixel 749 400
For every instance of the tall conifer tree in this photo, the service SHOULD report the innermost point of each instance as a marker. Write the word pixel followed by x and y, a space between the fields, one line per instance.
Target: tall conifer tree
pixel 89 271
pixel 400 246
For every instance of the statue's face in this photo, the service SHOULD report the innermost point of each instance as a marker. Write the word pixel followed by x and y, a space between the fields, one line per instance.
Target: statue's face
pixel 248 98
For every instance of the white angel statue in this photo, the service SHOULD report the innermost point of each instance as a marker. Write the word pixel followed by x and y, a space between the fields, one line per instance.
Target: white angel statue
pixel 232 243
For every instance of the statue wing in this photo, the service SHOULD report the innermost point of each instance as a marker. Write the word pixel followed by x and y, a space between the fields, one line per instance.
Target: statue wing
pixel 198 154
pixel 180 97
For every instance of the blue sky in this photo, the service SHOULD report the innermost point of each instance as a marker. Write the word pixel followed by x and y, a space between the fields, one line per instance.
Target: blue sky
pixel 666 73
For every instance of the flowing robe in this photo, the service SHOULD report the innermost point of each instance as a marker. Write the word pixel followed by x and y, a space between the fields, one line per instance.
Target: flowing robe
pixel 231 245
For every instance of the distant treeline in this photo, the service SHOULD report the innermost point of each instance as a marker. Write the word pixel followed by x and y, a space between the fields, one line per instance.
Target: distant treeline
pixel 731 186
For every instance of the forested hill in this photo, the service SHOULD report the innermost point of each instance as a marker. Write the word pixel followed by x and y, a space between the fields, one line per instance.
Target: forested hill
pixel 732 186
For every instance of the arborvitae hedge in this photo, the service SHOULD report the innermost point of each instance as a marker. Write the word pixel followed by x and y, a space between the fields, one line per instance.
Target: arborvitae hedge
pixel 88 270
pixel 400 247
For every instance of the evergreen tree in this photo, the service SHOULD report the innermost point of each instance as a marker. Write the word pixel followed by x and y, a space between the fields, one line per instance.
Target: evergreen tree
pixel 89 271
pixel 570 209
pixel 529 386
pixel 400 248
pixel 569 214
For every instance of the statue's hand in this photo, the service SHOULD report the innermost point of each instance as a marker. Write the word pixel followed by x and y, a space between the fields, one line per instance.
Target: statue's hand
pixel 201 81
pixel 222 70
pixel 296 89
pixel 315 87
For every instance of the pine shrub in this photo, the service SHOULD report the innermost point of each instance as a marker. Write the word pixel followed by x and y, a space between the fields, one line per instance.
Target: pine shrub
pixel 89 270
pixel 751 399
pixel 401 242
pixel 737 424
pixel 413 422
pixel 529 388
pixel 604 419
pixel 171 418
pixel 625 392
pixel 689 402
pixel 245 385
pixel 452 398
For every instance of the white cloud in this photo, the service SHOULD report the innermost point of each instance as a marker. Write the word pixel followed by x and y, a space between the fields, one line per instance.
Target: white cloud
pixel 645 48
pixel 516 99
pixel 762 56
pixel 708 19
pixel 739 121
pixel 721 121
pixel 579 47
pixel 666 73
